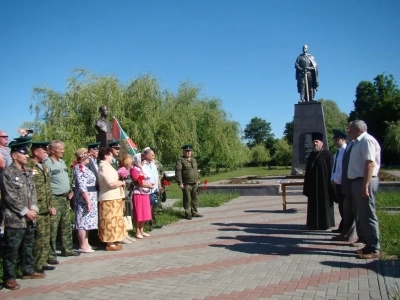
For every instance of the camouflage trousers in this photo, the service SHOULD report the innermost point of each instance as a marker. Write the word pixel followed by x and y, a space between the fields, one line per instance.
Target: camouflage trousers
pixel 17 243
pixel 41 246
pixel 190 191
pixel 61 219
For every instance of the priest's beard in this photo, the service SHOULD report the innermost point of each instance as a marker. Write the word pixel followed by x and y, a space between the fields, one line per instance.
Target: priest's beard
pixel 317 148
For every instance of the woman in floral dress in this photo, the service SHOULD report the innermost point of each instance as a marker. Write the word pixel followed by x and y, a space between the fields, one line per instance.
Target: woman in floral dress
pixel 85 201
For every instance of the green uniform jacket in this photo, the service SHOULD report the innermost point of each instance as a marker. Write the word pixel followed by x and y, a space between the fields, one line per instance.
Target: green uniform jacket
pixel 41 177
pixel 18 196
pixel 186 171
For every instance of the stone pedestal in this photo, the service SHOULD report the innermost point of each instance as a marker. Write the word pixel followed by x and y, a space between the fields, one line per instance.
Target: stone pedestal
pixel 103 138
pixel 308 118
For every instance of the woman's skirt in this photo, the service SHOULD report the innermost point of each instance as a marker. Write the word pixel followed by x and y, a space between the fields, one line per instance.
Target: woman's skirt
pixel 141 207
pixel 111 217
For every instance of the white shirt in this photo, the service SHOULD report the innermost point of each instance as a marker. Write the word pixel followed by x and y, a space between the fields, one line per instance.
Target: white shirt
pixel 337 175
pixel 152 172
pixel 365 147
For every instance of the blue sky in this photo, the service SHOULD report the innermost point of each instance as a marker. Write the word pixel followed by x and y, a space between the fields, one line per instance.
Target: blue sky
pixel 242 52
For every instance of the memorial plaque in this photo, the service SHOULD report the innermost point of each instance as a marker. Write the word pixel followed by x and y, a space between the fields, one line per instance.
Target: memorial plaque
pixel 305 146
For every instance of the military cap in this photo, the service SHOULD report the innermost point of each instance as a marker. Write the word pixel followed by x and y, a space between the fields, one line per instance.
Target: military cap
pixel 22 147
pixel 22 139
pixel 339 134
pixel 113 143
pixel 94 146
pixel 317 136
pixel 187 147
pixel 43 145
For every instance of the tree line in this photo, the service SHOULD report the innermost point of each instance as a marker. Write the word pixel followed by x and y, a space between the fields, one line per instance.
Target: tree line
pixel 167 120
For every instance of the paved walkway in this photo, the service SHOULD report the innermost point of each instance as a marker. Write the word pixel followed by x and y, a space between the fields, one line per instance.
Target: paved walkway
pixel 246 249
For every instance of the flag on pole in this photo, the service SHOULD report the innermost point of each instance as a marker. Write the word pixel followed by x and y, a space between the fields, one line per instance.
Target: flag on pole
pixel 119 134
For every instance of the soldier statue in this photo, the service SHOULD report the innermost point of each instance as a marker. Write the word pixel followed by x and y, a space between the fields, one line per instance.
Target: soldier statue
pixel 102 125
pixel 306 75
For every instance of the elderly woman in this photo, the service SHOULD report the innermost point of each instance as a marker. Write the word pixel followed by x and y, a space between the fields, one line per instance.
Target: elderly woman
pixel 111 202
pixel 126 163
pixel 141 192
pixel 85 201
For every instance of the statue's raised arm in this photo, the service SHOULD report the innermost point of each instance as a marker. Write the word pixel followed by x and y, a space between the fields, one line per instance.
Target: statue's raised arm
pixel 306 75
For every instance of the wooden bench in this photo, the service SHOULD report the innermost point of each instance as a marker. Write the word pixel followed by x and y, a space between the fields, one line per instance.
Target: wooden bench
pixel 283 186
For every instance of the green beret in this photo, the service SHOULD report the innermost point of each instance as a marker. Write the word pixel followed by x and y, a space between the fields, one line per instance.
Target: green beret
pixel 339 134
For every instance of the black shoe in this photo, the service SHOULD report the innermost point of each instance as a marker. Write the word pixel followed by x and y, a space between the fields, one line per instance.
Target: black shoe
pixel 197 215
pixel 188 217
pixel 336 231
pixel 47 268
pixel 72 254
pixel 52 261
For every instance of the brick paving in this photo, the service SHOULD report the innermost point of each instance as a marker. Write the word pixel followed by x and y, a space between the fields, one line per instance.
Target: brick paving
pixel 246 249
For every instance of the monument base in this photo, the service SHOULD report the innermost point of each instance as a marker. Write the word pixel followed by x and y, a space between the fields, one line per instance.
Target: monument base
pixel 308 118
pixel 103 138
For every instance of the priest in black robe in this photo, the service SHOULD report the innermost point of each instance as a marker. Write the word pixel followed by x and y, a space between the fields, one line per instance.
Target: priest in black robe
pixel 318 187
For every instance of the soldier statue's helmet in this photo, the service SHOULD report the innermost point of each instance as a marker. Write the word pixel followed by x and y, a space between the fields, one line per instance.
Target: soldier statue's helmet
pixel 187 147
pixel 317 136
pixel 339 134
pixel 22 147
pixel 114 144
pixel 43 145
pixel 94 146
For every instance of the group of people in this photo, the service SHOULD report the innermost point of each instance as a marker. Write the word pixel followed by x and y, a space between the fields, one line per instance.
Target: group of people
pixel 37 195
pixel 350 180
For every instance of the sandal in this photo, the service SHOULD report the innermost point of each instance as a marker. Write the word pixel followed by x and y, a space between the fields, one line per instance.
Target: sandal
pixel 11 285
pixel 371 255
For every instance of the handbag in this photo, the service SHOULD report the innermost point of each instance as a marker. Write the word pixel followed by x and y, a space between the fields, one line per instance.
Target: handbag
pixel 164 196
pixel 153 199
pixel 128 223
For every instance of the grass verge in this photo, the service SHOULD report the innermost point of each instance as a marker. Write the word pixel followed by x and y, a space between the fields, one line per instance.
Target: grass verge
pixel 211 199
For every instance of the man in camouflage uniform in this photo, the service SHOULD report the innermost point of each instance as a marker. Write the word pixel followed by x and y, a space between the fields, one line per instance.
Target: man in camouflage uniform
pixel 20 212
pixel 41 177
pixel 60 187
pixel 187 176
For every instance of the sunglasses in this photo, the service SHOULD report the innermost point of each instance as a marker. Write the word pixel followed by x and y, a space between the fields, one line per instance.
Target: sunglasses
pixel 4 136
pixel 116 148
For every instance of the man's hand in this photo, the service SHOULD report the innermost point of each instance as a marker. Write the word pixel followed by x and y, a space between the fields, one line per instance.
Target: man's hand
pixel 333 183
pixel 52 211
pixel 70 195
pixel 31 215
pixel 181 186
pixel 364 191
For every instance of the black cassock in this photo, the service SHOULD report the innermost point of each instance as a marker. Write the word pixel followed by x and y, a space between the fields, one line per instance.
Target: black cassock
pixel 319 190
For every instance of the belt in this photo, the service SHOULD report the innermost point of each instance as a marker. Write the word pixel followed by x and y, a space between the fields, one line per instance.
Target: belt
pixel 91 189
pixel 359 178
pixel 61 195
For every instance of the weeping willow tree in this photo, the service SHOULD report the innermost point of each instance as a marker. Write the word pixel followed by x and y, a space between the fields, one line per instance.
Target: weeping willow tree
pixel 150 116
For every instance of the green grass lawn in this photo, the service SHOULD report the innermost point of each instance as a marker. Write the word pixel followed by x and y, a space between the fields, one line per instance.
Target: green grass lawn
pixel 389 223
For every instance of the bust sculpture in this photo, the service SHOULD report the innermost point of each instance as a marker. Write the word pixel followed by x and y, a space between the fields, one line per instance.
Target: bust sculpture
pixel 102 125
pixel 306 76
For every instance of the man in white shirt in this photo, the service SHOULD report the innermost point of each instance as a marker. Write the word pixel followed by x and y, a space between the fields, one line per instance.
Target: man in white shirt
pixel 339 138
pixel 364 164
